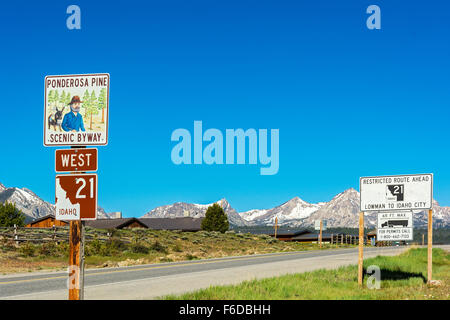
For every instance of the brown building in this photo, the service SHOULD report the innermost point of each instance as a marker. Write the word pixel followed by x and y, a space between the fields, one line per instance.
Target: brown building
pixel 289 235
pixel 47 222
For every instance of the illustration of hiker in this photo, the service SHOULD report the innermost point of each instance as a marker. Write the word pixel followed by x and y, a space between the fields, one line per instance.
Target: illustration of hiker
pixel 73 121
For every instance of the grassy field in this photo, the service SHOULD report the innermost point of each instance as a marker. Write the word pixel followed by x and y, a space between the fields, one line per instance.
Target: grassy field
pixel 132 247
pixel 402 277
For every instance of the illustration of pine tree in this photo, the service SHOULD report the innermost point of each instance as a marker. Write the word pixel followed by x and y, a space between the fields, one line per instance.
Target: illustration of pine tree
pixel 102 102
pixel 62 98
pixel 55 98
pixel 50 97
pixel 68 99
pixel 86 103
pixel 92 108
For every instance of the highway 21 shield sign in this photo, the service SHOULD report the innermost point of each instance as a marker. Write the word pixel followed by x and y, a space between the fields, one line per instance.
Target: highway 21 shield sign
pixel 76 197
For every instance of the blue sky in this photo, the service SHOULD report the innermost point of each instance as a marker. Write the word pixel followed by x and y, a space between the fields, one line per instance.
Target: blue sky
pixel 348 101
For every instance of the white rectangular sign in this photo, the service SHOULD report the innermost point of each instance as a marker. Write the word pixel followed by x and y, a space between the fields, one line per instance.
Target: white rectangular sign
pixel 317 225
pixel 402 192
pixel 76 110
pixel 394 226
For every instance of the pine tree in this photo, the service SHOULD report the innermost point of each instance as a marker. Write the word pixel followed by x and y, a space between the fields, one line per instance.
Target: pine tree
pixel 102 102
pixel 215 219
pixel 10 215
pixel 62 98
pixel 92 107
pixel 55 98
pixel 86 102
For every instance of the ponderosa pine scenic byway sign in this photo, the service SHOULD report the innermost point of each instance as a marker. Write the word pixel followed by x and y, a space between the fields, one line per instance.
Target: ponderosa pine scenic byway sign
pixel 76 110
pixel 402 192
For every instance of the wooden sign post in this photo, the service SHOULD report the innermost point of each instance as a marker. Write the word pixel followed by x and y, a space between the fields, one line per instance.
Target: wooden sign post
pixel 430 245
pixel 76 260
pixel 320 233
pixel 276 226
pixel 361 246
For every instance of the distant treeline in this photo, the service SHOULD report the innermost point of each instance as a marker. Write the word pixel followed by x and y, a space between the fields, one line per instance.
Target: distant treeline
pixel 440 236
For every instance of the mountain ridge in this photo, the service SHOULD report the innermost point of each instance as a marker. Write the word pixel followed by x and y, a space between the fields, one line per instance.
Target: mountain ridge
pixel 341 211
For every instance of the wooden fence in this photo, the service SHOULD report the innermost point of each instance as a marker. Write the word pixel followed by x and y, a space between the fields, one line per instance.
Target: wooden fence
pixel 55 234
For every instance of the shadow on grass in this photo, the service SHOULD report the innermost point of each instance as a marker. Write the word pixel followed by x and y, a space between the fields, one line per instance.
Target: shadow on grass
pixel 387 274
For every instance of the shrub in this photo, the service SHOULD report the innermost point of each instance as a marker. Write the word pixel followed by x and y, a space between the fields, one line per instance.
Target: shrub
pixel 48 249
pixel 156 246
pixel 27 249
pixel 177 248
pixel 191 257
pixel 139 248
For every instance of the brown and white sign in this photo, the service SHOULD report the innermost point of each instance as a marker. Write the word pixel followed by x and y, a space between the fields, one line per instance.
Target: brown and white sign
pixel 76 110
pixel 76 160
pixel 76 197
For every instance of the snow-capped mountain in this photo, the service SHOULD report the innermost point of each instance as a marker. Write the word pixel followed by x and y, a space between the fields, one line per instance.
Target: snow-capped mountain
pixel 183 209
pixel 293 210
pixel 31 204
pixel 341 211
pixel 27 202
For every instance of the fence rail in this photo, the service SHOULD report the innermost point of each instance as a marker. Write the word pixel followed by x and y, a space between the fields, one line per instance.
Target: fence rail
pixel 53 234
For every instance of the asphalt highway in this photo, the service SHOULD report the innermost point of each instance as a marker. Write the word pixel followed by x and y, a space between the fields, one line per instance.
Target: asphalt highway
pixel 154 280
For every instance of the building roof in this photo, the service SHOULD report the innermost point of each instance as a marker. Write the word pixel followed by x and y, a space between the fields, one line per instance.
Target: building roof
pixel 45 218
pixel 112 223
pixel 184 223
pixel 312 236
pixel 289 233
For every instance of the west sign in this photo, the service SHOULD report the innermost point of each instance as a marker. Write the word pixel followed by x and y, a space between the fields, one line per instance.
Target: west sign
pixel 75 160
pixel 76 110
pixel 391 193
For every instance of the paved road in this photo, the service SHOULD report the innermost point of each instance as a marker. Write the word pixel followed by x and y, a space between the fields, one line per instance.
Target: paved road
pixel 156 280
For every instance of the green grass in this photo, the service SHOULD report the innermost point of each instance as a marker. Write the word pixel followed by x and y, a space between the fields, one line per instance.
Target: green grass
pixel 402 277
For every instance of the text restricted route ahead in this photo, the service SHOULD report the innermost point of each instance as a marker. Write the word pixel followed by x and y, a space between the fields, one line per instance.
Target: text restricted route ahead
pixel 156 280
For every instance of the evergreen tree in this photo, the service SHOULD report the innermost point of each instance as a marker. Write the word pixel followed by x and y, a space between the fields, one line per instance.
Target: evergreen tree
pixel 55 98
pixel 86 103
pixel 62 98
pixel 215 219
pixel 68 99
pixel 10 215
pixel 92 107
pixel 102 102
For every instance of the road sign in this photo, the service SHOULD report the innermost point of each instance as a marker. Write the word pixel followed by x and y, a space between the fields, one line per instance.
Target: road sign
pixel 403 192
pixel 71 160
pixel 76 110
pixel 317 225
pixel 395 226
pixel 76 197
